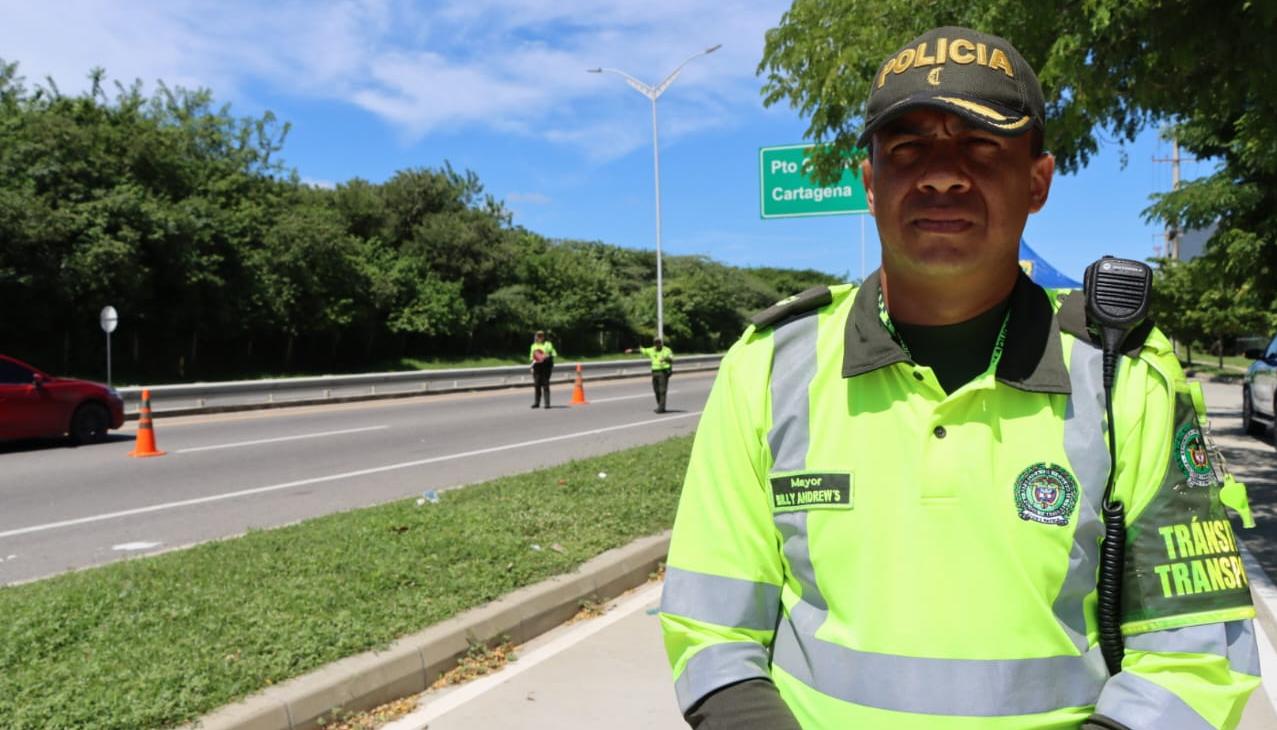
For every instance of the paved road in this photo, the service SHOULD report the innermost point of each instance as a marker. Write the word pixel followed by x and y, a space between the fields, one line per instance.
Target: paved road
pixel 611 672
pixel 64 508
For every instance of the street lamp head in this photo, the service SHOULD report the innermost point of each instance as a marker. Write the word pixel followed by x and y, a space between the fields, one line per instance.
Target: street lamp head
pixel 594 70
pixel 715 48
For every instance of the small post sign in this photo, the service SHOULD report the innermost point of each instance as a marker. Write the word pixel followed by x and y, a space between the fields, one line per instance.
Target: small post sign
pixel 109 319
pixel 788 193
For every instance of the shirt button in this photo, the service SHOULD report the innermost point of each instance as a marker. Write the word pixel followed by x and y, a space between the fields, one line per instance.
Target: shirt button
pixel 939 432
pixel 917 375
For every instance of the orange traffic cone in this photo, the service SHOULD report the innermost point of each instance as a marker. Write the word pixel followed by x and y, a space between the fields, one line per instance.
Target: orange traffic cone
pixel 578 389
pixel 145 445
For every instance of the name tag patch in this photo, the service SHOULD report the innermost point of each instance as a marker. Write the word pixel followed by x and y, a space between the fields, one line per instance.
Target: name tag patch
pixel 795 492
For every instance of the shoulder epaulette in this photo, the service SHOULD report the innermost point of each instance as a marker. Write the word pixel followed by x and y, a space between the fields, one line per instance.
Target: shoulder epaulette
pixel 1072 319
pixel 813 298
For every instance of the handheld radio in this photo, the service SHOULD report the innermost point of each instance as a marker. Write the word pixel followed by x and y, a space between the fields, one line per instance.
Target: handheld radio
pixel 1117 300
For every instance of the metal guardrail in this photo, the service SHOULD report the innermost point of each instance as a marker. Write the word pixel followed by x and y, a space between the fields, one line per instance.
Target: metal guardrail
pixel 190 398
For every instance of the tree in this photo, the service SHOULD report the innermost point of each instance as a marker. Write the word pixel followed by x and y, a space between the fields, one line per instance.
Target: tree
pixel 1109 69
pixel 222 263
pixel 1195 302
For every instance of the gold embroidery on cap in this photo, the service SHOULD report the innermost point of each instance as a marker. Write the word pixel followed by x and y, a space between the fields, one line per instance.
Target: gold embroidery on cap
pixel 998 59
pixel 904 60
pixel 923 58
pixel 960 51
pixel 998 120
pixel 969 105
pixel 933 77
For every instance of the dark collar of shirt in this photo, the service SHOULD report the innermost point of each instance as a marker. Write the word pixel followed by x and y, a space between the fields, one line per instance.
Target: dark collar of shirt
pixel 1033 359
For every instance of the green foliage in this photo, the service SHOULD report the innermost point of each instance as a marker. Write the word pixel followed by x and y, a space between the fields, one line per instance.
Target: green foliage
pixel 222 263
pixel 1201 302
pixel 158 642
pixel 1109 68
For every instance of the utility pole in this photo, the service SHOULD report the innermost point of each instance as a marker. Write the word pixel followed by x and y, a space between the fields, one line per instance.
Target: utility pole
pixel 1173 232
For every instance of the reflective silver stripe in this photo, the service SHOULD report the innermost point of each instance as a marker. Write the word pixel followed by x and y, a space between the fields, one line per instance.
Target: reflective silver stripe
pixel 1205 639
pixel 1138 703
pixel 953 687
pixel 793 532
pixel 1234 640
pixel 793 369
pixel 719 665
pixel 723 601
pixel 1088 455
pixel 1243 652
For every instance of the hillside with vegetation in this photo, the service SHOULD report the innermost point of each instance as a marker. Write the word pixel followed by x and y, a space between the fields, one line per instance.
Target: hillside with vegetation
pixel 222 262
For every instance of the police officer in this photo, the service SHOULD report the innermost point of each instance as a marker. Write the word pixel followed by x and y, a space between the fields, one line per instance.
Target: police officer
pixel 542 356
pixel 890 516
pixel 662 367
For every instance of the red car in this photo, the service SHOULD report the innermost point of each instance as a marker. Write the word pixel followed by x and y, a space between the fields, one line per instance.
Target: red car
pixel 34 404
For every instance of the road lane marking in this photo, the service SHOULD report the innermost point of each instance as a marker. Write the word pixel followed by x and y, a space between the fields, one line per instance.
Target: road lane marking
pixel 626 397
pixel 417 719
pixel 332 477
pixel 127 546
pixel 281 438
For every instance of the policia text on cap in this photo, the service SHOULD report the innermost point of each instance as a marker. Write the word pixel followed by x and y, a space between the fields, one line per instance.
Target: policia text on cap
pixel 892 513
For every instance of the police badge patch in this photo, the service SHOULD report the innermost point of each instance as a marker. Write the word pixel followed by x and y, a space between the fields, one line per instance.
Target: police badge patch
pixel 1191 457
pixel 1046 493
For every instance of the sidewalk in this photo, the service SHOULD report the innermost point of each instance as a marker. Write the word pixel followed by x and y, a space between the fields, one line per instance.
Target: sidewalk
pixel 610 672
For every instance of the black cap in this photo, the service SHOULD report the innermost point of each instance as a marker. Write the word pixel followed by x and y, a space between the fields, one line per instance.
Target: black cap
pixel 979 77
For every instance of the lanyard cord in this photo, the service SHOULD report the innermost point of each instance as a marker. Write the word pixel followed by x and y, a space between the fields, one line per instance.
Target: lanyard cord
pixel 999 345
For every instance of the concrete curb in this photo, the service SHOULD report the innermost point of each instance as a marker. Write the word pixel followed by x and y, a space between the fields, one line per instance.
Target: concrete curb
pixel 411 664
pixel 1264 593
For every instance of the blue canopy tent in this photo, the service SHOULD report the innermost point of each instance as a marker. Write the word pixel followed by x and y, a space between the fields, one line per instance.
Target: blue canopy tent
pixel 1042 273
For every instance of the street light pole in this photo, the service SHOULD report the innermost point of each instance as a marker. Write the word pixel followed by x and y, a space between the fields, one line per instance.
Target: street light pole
pixel 653 93
pixel 660 284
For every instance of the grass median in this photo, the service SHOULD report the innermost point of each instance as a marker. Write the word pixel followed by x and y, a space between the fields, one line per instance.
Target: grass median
pixel 155 642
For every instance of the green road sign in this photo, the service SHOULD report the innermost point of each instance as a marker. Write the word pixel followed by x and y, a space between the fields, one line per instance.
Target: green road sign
pixel 787 193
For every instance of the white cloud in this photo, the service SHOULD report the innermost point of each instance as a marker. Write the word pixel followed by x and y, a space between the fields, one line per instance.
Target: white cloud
pixel 316 182
pixel 516 66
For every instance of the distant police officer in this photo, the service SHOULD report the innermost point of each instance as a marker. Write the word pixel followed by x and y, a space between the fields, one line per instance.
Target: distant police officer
pixel 891 514
pixel 662 367
pixel 542 356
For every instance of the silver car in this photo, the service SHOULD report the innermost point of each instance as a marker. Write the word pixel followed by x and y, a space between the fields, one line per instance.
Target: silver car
pixel 1259 391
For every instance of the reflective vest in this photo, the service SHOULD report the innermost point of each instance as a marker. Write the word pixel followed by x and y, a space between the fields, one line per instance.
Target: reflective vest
pixel 662 359
pixel 545 349
pixel 892 556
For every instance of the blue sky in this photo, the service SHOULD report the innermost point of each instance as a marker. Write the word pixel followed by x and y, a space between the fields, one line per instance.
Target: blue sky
pixel 499 87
